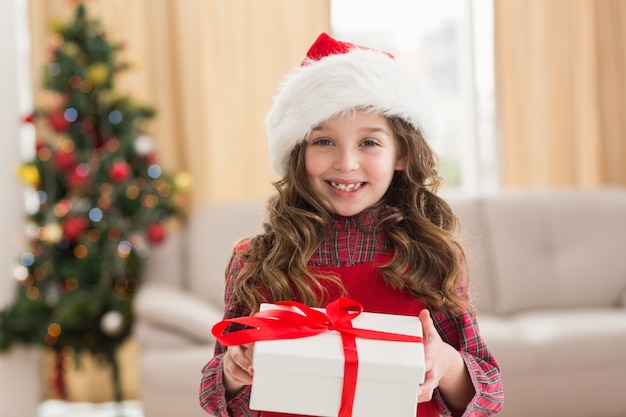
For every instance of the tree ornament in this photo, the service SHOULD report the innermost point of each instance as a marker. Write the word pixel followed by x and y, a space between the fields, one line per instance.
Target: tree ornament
pixel 98 73
pixel 58 122
pixel 119 171
pixel 53 233
pixel 183 181
pixel 144 145
pixel 20 273
pixel 112 323
pixel 62 207
pixel 78 177
pixel 74 227
pixel 29 174
pixel 77 181
pixel 155 232
pixel 64 161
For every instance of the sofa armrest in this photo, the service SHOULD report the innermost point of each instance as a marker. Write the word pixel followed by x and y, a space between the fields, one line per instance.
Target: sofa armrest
pixel 170 308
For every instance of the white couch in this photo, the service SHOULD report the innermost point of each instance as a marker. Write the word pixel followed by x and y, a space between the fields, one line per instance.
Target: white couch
pixel 549 279
pixel 180 300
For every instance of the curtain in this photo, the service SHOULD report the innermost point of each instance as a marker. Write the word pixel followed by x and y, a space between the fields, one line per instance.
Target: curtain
pixel 209 68
pixel 561 91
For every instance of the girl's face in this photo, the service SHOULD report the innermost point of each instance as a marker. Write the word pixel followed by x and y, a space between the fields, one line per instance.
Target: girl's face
pixel 350 160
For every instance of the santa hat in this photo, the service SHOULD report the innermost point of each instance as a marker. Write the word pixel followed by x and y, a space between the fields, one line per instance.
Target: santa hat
pixel 333 78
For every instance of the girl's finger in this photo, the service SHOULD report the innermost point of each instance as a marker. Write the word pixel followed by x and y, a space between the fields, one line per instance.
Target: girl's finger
pixel 428 327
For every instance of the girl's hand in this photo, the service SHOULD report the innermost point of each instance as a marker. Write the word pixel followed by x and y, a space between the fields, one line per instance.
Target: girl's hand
pixel 238 368
pixel 445 368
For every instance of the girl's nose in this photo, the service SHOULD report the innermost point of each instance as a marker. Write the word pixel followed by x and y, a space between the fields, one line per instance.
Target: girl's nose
pixel 346 160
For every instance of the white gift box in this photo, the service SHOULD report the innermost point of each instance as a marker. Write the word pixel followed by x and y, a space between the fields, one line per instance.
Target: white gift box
pixel 305 375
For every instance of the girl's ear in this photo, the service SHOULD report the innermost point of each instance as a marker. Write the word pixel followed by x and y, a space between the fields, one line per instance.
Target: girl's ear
pixel 400 163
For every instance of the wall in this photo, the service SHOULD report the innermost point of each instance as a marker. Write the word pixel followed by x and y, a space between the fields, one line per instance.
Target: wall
pixel 11 209
pixel 20 387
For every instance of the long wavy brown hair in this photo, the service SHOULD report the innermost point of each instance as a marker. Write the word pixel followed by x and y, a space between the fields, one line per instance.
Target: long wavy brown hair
pixel 422 230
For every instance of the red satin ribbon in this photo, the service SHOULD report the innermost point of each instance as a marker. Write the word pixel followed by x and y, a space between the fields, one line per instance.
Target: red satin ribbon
pixel 276 324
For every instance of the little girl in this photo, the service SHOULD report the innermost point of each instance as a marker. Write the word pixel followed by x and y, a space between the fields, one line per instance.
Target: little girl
pixel 356 214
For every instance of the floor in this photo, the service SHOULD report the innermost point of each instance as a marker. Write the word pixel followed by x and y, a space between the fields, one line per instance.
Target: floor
pixel 56 408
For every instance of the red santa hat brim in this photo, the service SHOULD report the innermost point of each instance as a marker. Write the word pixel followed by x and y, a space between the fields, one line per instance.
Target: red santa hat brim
pixel 336 77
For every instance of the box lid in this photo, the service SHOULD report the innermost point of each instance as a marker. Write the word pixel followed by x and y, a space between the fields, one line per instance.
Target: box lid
pixel 322 354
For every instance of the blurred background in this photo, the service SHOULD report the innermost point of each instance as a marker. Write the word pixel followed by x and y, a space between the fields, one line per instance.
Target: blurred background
pixel 526 93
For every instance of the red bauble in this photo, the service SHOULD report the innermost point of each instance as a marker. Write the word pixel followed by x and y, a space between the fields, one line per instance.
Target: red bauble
pixel 64 161
pixel 74 227
pixel 58 122
pixel 119 171
pixel 155 232
pixel 77 179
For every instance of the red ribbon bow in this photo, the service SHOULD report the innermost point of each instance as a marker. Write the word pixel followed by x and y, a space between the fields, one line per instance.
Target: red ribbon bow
pixel 276 324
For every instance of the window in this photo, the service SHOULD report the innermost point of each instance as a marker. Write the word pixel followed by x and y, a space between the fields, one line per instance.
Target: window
pixel 450 46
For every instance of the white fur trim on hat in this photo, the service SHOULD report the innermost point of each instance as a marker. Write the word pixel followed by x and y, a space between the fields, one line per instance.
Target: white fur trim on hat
pixel 322 89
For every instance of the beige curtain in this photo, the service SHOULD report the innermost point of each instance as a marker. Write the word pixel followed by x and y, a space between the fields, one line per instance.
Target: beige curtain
pixel 210 68
pixel 561 91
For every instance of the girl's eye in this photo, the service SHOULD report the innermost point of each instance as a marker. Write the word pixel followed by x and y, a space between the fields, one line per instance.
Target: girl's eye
pixel 369 142
pixel 322 142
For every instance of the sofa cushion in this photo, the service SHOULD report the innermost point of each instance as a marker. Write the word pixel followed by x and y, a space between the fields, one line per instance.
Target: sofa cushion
pixel 148 334
pixel 213 231
pixel 556 249
pixel 178 311
pixel 554 341
pixel 472 239
pixel 164 263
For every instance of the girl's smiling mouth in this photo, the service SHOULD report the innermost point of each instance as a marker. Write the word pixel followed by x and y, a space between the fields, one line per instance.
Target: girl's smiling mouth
pixel 346 187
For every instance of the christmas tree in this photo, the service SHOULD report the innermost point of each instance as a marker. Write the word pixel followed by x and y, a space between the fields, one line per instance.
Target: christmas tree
pixel 101 202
